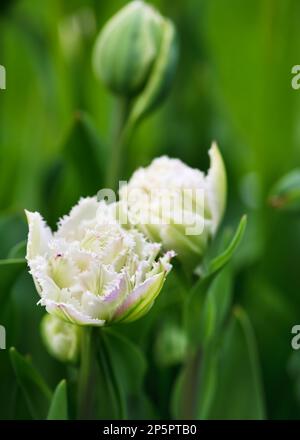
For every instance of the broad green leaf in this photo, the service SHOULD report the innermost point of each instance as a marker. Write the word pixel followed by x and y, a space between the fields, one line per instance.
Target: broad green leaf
pixel 205 317
pixel 208 272
pixel 183 394
pixel 239 393
pixel 196 384
pixel 222 380
pixel 59 404
pixel 207 307
pixel 218 262
pixel 10 269
pixel 121 349
pixel 216 306
pixel 285 195
pixel 124 367
pixel 113 407
pixel 35 390
pixel 208 382
pixel 192 310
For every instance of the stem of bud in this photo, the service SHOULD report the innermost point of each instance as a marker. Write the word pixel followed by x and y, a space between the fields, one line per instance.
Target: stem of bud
pixel 118 141
pixel 85 382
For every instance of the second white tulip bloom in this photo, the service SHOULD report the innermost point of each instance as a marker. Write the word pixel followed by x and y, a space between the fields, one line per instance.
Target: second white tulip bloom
pixel 178 205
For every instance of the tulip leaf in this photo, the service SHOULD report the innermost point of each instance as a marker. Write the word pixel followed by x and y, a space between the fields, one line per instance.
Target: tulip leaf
pixel 9 271
pixel 207 307
pixel 121 348
pixel 183 395
pixel 222 380
pixel 35 390
pixel 125 366
pixel 59 404
pixel 239 380
pixel 218 262
pixel 193 307
pixel 107 386
pixel 285 195
pixel 216 306
pixel 196 384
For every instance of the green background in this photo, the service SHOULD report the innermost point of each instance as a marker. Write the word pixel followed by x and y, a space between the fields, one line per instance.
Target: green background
pixel 233 84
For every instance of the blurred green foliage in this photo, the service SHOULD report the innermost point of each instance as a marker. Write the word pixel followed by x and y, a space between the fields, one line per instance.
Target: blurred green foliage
pixel 232 85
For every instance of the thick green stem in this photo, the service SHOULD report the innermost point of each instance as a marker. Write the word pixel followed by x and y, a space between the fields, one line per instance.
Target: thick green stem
pixel 107 371
pixel 118 141
pixel 85 387
pixel 96 371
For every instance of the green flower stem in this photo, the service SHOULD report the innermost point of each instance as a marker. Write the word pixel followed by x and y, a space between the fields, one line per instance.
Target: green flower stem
pixel 119 138
pixel 94 361
pixel 86 372
pixel 108 372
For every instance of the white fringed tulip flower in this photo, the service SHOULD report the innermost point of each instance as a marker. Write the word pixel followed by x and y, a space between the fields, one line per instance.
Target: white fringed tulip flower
pixel 178 205
pixel 92 271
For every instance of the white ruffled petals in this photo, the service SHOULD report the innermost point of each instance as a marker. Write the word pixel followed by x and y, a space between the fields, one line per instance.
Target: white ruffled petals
pixel 92 267
pixel 177 205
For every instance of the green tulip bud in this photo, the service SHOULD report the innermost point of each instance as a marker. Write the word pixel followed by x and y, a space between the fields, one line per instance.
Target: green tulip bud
pixel 135 50
pixel 60 338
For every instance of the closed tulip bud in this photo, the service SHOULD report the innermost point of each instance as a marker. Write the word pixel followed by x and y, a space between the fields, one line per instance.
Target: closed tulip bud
pixel 92 271
pixel 135 51
pixel 61 339
pixel 178 205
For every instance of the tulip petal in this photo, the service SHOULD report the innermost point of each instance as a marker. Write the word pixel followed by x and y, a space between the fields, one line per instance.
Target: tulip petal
pixel 140 300
pixel 39 235
pixel 69 313
pixel 72 226
pixel 92 271
pixel 44 284
pixel 216 186
pixel 104 306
